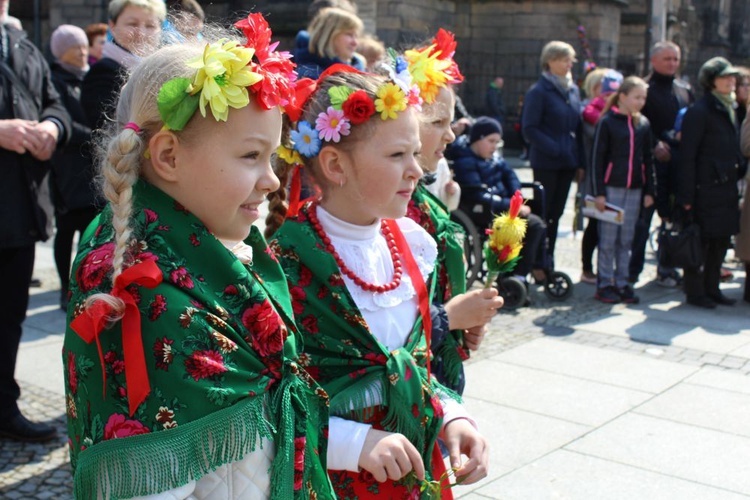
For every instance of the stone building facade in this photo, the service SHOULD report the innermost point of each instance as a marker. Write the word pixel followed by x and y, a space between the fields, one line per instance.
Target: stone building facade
pixel 497 37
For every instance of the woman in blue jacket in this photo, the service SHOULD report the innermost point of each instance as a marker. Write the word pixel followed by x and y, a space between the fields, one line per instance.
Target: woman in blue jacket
pixel 552 125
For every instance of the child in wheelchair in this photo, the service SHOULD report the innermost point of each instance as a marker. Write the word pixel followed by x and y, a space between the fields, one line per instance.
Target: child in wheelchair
pixel 487 184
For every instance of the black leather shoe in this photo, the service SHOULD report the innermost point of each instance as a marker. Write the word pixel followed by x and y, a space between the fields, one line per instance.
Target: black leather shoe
pixel 723 299
pixel 22 429
pixel 702 301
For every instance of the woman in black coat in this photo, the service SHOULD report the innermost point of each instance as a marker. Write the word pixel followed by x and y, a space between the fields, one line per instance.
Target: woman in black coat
pixel 135 29
pixel 72 178
pixel 711 164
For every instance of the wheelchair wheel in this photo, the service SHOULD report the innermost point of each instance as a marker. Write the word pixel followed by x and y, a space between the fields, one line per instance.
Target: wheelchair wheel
pixel 513 291
pixel 558 285
pixel 472 246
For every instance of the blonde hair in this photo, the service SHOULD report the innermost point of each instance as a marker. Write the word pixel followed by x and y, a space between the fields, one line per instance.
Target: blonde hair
pixel 157 7
pixel 592 80
pixel 627 85
pixel 121 151
pixel 328 23
pixel 317 103
pixel 555 50
pixel 371 48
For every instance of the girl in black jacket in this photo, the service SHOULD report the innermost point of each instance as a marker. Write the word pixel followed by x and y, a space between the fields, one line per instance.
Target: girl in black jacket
pixel 622 172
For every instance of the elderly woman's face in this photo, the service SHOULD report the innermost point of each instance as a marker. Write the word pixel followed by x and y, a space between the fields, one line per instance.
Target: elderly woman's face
pixel 136 29
pixel 725 84
pixel 562 65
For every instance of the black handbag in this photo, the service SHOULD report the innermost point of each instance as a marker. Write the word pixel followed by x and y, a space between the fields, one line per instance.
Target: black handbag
pixel 680 245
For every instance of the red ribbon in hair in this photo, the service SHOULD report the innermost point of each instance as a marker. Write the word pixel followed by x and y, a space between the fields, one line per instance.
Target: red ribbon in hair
pixel 295 188
pixel 93 320
pixel 305 87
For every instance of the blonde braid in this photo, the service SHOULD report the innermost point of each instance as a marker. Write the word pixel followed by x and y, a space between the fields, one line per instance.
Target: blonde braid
pixel 120 171
pixel 277 201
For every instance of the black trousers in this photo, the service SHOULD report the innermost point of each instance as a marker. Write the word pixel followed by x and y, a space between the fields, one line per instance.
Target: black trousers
pixel 532 252
pixel 589 243
pixel 16 266
pixel 556 188
pixel 67 225
pixel 701 281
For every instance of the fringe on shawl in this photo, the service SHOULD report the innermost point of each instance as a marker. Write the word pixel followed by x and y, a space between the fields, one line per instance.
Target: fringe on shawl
pixel 151 463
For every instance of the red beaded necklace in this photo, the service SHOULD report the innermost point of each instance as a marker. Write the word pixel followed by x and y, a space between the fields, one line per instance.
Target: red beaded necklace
pixel 392 247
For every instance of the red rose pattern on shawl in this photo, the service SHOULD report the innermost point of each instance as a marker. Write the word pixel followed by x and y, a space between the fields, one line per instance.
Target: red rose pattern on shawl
pixel 299 461
pixel 72 375
pixel 298 299
pixel 119 426
pixel 205 364
pixel 181 278
pixel 95 267
pixel 157 307
pixel 267 330
pixel 163 353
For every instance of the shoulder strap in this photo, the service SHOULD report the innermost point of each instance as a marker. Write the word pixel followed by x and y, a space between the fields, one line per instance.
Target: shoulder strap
pixel 17 83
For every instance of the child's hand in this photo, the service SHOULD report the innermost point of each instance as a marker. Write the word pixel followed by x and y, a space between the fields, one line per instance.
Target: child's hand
pixel 451 187
pixel 473 308
pixel 473 337
pixel 388 455
pixel 461 438
pixel 524 211
pixel 601 203
pixel 648 200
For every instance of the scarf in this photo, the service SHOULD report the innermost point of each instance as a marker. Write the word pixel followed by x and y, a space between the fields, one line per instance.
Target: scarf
pixel 220 348
pixel 429 212
pixel 76 71
pixel 729 101
pixel 344 357
pixel 562 83
pixel 119 54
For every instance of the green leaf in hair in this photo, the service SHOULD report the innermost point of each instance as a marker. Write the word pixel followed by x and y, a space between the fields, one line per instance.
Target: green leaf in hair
pixel 176 105
pixel 338 95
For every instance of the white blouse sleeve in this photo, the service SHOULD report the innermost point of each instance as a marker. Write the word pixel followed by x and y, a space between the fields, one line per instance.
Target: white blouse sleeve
pixel 346 439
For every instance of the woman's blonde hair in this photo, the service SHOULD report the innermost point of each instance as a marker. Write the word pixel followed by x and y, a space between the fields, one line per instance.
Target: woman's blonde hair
pixel 121 152
pixel 318 103
pixel 555 50
pixel 157 7
pixel 328 23
pixel 625 88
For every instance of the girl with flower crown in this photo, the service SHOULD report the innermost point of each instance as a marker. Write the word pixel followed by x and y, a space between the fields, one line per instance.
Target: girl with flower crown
pixel 362 276
pixel 464 314
pixel 182 372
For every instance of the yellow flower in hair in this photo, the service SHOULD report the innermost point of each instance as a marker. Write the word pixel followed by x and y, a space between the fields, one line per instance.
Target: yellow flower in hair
pixel 428 72
pixel 223 77
pixel 390 100
pixel 290 156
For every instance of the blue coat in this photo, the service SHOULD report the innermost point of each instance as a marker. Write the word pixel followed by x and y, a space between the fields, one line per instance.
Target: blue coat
pixel 553 127
pixel 497 180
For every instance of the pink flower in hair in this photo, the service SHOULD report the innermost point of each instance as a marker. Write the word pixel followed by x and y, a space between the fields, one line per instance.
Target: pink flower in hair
pixel 331 125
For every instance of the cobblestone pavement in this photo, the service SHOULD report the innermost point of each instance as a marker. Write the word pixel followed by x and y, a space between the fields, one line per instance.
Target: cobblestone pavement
pixel 40 471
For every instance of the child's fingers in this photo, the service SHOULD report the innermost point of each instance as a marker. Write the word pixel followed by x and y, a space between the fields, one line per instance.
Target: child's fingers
pixel 416 461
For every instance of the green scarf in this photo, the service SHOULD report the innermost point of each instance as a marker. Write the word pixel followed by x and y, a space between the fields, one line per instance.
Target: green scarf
pixel 221 349
pixel 729 101
pixel 432 215
pixel 342 354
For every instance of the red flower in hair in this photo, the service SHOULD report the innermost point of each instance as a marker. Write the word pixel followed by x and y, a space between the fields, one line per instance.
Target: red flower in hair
pixel 445 43
pixel 276 87
pixel 358 107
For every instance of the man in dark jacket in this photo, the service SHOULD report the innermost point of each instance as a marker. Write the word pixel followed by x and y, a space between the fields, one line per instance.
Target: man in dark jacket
pixel 33 122
pixel 666 96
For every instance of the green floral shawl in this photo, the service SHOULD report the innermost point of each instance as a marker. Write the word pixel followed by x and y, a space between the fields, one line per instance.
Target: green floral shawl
pixel 342 354
pixel 432 215
pixel 220 348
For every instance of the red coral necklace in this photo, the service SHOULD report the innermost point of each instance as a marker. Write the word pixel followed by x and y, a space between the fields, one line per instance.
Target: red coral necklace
pixel 392 247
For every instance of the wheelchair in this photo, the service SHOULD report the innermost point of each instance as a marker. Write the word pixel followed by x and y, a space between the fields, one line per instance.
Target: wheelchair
pixel 474 218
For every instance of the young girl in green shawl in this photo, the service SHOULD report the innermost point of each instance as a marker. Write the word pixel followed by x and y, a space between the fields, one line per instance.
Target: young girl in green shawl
pixel 182 358
pixel 463 314
pixel 362 276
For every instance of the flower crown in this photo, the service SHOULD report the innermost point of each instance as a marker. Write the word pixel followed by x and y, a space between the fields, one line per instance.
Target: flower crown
pixel 348 107
pixel 433 67
pixel 224 72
